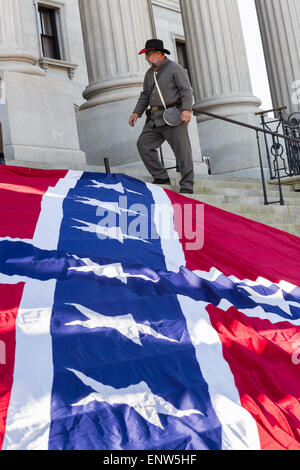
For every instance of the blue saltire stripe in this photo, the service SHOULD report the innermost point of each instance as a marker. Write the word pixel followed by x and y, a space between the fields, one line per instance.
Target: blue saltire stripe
pixel 170 369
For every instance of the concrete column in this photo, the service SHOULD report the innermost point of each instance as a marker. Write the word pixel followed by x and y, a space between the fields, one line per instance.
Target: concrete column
pixel 279 22
pixel 222 83
pixel 13 54
pixel 37 111
pixel 114 31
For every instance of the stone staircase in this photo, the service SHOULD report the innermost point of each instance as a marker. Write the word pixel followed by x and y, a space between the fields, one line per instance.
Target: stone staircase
pixel 245 197
pixel 242 196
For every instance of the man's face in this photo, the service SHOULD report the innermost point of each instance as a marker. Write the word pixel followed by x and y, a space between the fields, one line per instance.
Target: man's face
pixel 154 57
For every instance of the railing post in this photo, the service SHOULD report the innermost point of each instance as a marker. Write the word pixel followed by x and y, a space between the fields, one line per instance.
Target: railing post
pixel 2 159
pixel 275 146
pixel 107 167
pixel 262 171
pixel 161 157
pixel 263 123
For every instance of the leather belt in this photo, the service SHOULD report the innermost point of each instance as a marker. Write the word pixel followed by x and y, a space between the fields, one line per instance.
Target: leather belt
pixel 160 108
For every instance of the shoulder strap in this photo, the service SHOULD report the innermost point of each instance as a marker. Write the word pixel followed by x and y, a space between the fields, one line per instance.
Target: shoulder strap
pixel 159 74
pixel 159 91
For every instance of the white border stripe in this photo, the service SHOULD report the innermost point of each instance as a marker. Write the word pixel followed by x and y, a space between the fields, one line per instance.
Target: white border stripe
pixel 258 311
pixel 28 417
pixel 239 429
pixel 48 226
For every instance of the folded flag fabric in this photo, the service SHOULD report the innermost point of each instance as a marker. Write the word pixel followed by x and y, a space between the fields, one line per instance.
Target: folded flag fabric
pixel 134 318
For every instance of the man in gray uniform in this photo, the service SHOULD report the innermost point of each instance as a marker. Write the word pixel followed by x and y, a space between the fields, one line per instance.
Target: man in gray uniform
pixel 176 90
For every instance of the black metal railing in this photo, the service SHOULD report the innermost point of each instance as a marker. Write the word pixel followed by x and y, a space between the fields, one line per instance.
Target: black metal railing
pixel 177 167
pixel 287 152
pixel 2 158
pixel 107 166
pixel 275 149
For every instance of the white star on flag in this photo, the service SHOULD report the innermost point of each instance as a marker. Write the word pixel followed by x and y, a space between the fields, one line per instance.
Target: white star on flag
pixel 124 324
pixel 114 270
pixel 109 206
pixel 110 232
pixel 115 187
pixel 139 397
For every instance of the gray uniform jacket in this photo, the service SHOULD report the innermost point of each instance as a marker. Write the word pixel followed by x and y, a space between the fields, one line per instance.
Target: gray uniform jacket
pixel 175 87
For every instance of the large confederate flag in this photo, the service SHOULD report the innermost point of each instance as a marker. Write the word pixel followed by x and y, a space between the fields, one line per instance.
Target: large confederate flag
pixel 132 317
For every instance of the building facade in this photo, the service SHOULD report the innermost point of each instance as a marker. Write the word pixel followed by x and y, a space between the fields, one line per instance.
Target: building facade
pixel 70 76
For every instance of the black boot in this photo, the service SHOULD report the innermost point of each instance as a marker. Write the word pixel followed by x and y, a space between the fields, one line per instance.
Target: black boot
pixel 160 181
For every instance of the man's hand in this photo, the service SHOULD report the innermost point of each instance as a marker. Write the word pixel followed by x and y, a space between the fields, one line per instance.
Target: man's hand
pixel 186 116
pixel 133 118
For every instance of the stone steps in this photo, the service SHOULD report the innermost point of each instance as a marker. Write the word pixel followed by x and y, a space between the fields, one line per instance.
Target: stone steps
pixel 249 192
pixel 248 208
pixel 268 215
pixel 268 219
pixel 216 199
pixel 257 211
pixel 210 183
pixel 45 165
pixel 243 196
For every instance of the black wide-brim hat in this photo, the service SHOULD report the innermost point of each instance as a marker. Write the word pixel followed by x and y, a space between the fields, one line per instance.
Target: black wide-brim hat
pixel 154 45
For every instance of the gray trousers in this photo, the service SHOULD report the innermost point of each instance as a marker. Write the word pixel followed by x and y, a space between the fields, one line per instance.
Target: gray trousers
pixel 152 138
